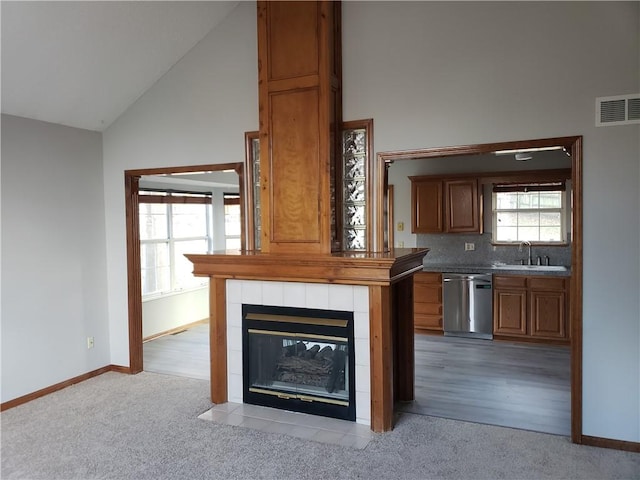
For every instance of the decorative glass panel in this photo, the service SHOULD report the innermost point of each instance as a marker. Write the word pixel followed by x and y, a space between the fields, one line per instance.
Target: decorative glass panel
pixel 355 239
pixel 354 156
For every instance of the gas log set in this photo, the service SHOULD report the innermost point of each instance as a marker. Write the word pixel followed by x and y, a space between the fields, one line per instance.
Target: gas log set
pixel 318 366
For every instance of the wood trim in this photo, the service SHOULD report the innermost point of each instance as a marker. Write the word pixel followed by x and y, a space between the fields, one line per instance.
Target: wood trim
pixel 134 279
pixel 243 205
pixel 390 218
pixel 120 369
pixel 479 149
pixel 203 200
pixel 380 201
pixel 573 145
pixel 610 443
pixel 183 169
pixel 575 300
pixel 59 386
pixel 546 175
pixel 218 339
pixel 381 348
pixel 134 288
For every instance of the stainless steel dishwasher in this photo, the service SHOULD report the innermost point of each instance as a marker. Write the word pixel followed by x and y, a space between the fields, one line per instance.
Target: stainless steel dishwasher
pixel 467 305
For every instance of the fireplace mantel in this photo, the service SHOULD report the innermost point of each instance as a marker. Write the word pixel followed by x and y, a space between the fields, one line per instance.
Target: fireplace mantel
pixel 353 268
pixel 389 277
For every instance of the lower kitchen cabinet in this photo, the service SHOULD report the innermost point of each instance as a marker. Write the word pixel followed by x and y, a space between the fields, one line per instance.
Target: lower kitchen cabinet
pixel 531 307
pixel 427 301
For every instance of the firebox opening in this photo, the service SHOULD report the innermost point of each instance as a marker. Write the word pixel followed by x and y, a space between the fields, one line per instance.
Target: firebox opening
pixel 299 359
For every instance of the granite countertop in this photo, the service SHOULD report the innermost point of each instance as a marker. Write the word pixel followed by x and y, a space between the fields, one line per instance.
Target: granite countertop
pixel 553 270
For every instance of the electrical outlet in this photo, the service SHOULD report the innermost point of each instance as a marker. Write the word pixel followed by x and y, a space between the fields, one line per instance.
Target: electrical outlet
pixel 401 244
pixel 469 247
pixel 401 226
pixel 90 342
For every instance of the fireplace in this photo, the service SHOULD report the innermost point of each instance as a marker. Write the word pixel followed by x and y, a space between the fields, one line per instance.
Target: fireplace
pixel 299 359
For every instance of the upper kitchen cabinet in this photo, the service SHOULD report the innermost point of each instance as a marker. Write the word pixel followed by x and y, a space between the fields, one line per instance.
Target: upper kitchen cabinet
pixel 426 206
pixel 462 206
pixel 445 205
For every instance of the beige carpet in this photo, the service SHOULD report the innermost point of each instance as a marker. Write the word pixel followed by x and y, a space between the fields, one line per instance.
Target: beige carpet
pixel 146 427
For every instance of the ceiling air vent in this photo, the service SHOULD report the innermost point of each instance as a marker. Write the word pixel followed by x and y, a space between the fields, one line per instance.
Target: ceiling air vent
pixel 618 110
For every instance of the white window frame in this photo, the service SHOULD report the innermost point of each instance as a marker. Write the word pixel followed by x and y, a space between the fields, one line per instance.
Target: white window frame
pixel 225 204
pixel 563 220
pixel 171 241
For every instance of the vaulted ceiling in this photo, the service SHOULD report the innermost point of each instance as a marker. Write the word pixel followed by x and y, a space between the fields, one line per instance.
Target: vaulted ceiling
pixel 83 63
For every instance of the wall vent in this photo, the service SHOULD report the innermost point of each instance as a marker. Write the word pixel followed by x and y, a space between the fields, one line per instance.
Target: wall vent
pixel 618 110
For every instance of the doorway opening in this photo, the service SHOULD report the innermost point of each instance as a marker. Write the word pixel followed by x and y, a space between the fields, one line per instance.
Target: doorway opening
pixel 216 192
pixel 573 146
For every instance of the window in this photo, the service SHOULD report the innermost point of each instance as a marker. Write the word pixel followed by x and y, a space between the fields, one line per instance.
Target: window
pixel 170 226
pixel 529 212
pixel 232 226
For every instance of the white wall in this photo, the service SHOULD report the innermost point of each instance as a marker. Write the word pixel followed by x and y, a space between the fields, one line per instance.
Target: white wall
pixel 165 313
pixel 451 73
pixel 438 74
pixel 196 114
pixel 53 255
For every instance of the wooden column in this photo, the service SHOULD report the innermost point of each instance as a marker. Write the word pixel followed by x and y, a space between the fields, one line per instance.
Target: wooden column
pixel 218 339
pixel 134 285
pixel 381 358
pixel 299 111
pixel 404 355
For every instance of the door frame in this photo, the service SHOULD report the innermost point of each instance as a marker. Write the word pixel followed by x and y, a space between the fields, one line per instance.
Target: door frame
pixel 134 285
pixel 573 145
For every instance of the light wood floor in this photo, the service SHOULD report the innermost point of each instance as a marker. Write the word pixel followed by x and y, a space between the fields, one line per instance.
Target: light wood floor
pixel 525 386
pixel 185 354
pixel 519 385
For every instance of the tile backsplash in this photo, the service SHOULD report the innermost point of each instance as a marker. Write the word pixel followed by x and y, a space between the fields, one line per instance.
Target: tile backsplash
pixel 449 249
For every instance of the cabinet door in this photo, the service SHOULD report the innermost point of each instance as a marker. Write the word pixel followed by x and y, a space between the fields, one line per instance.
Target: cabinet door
pixel 547 314
pixel 462 206
pixel 427 307
pixel 426 207
pixel 509 312
pixel 427 321
pixel 427 296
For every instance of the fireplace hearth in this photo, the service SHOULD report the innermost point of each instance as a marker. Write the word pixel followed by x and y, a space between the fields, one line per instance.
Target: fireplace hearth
pixel 299 359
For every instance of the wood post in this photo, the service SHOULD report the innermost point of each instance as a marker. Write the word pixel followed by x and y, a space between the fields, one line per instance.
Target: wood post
pixel 404 366
pixel 218 339
pixel 381 354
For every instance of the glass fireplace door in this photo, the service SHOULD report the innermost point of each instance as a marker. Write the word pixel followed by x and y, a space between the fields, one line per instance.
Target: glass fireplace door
pixel 308 367
pixel 298 361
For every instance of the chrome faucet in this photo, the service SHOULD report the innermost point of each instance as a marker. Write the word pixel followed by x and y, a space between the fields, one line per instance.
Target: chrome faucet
pixel 528 244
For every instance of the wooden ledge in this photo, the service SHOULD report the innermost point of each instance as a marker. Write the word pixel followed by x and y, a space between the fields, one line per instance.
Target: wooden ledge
pixel 352 268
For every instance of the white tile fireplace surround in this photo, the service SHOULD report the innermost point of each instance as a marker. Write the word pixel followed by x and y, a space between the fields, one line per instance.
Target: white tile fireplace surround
pixel 350 298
